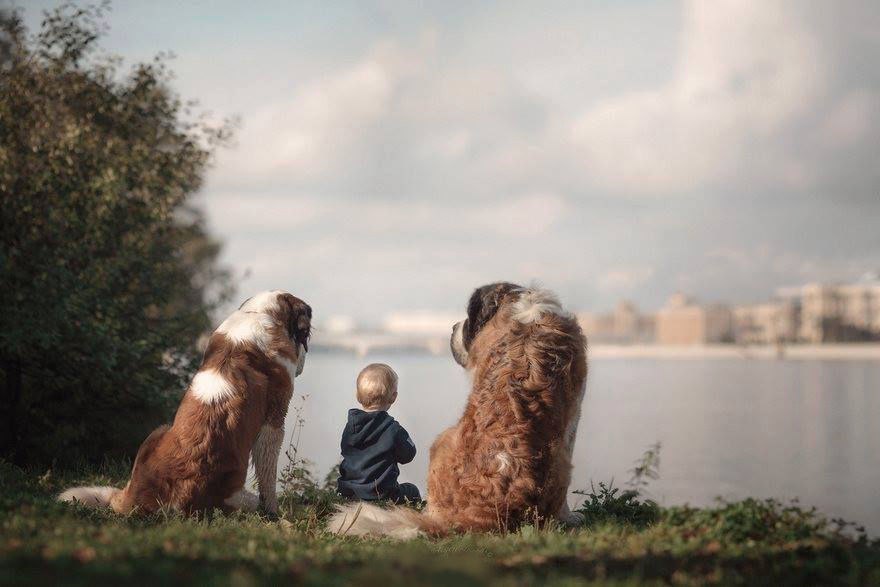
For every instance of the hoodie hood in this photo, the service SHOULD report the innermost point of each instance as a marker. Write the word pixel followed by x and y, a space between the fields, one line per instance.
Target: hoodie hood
pixel 367 427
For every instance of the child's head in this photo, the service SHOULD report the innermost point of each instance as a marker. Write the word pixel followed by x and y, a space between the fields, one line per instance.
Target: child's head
pixel 377 386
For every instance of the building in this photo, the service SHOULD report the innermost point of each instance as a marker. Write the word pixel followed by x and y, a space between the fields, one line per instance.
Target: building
pixel 836 313
pixel 597 327
pixel 626 325
pixel 860 305
pixel 770 323
pixel 682 321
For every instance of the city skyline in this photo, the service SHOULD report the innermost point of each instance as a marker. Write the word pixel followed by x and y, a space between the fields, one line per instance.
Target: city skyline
pixel 804 316
pixel 429 319
pixel 394 156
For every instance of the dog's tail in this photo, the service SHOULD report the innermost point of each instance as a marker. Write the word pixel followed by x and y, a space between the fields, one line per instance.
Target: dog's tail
pixel 94 497
pixel 110 497
pixel 402 523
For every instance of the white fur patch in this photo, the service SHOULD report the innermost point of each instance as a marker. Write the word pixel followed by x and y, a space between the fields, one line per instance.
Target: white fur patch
pixel 458 351
pixel 363 519
pixel 291 367
pixel 243 500
pixel 209 387
pixel 565 515
pixel 251 327
pixel 265 457
pixel 504 461
pixel 571 430
pixel 294 369
pixel 534 303
pixel 263 302
pixel 94 497
pixel 300 360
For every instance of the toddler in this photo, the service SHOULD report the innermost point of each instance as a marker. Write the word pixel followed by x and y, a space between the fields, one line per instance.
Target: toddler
pixel 373 443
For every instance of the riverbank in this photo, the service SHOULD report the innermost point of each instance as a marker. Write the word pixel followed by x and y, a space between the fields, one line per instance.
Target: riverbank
pixel 365 345
pixel 44 542
pixel 795 352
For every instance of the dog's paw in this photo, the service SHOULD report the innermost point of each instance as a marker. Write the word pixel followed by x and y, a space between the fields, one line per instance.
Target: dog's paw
pixel 573 519
pixel 269 508
pixel 271 516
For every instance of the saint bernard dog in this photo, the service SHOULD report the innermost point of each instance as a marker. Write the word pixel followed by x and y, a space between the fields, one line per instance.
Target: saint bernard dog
pixel 233 410
pixel 508 460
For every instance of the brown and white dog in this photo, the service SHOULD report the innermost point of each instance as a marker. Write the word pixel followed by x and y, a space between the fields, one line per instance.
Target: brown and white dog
pixel 508 460
pixel 233 409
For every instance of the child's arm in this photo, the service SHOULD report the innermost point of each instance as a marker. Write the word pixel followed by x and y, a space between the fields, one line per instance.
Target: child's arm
pixel 404 447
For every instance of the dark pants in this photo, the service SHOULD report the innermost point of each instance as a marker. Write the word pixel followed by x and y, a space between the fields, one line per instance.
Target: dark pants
pixel 407 492
pixel 403 493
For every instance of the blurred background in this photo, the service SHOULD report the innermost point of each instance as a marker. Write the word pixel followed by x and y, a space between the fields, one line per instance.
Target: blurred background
pixel 697 180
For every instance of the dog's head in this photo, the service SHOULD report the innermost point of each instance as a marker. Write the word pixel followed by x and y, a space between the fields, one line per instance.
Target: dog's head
pixel 289 310
pixel 482 307
pixel 520 305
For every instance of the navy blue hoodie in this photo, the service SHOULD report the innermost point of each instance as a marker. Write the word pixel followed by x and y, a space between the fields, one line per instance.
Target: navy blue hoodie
pixel 373 443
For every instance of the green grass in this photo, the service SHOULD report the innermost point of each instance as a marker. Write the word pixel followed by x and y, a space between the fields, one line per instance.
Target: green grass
pixel 43 542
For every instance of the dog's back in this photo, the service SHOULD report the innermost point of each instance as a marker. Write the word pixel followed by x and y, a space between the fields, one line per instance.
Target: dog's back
pixel 508 461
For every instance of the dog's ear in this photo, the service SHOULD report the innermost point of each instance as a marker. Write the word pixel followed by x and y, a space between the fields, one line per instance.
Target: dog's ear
pixel 299 320
pixel 483 305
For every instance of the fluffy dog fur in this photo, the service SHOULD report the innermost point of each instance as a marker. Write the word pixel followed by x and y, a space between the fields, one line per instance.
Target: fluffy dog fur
pixel 508 460
pixel 233 409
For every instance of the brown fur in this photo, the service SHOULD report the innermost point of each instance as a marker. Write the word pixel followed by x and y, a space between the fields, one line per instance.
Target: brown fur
pixel 200 460
pixel 526 390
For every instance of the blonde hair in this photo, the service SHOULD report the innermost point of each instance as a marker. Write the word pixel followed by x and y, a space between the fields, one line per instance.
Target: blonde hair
pixel 376 386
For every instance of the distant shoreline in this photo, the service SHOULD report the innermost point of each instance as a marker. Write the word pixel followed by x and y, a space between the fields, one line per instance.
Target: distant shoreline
pixel 797 352
pixel 837 352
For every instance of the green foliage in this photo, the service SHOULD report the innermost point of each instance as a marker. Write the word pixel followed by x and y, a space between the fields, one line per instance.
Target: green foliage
pixel 608 504
pixel 108 274
pixel 45 542
pixel 302 496
pixel 646 468
pixel 766 520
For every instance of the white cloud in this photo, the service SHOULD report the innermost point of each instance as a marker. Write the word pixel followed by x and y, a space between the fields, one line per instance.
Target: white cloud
pixel 312 133
pixel 526 215
pixel 415 166
pixel 747 70
pixel 850 119
pixel 261 214
pixel 530 215
pixel 624 279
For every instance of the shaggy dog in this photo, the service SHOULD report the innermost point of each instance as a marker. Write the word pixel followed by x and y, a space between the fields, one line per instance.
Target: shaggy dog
pixel 508 460
pixel 233 409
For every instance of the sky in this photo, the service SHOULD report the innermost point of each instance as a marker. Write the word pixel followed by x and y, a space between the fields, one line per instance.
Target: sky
pixel 392 156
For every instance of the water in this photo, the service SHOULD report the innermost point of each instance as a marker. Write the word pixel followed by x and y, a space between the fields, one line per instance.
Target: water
pixel 730 427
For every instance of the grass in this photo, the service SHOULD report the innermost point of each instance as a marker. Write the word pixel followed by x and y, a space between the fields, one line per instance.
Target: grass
pixel 633 541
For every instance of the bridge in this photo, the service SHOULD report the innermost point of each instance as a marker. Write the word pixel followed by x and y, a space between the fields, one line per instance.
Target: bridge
pixel 363 343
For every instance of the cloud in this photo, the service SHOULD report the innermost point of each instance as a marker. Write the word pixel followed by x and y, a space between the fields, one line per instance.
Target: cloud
pixel 580 147
pixel 261 214
pixel 311 134
pixel 747 71
pixel 625 279
pixel 528 215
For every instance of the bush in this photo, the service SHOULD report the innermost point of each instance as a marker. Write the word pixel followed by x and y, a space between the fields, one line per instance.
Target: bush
pixel 764 520
pixel 608 505
pixel 108 274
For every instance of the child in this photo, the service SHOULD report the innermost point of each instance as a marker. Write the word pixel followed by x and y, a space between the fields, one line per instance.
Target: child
pixel 373 443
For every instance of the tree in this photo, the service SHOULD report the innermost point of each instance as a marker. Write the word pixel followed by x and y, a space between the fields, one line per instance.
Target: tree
pixel 108 275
